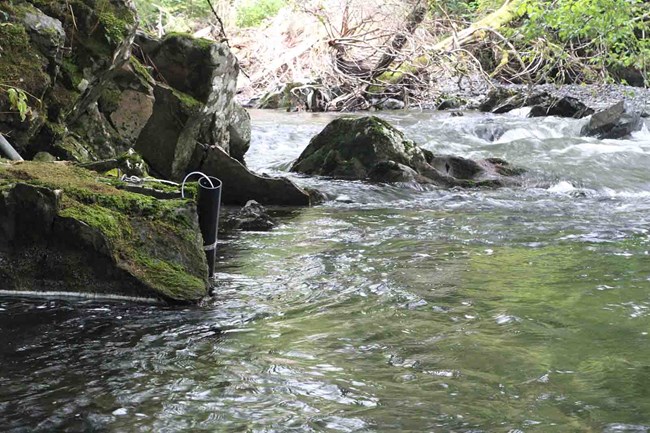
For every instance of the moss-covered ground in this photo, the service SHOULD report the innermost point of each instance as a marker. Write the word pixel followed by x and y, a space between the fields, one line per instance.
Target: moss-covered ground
pixel 134 226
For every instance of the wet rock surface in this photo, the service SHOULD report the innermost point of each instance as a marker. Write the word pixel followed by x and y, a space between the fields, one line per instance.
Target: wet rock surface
pixel 62 229
pixel 502 100
pixel 241 185
pixel 370 148
pixel 617 121
pixel 252 217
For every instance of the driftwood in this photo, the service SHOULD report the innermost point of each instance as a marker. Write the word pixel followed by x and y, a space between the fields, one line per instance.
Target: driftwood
pixel 360 69
pixel 414 19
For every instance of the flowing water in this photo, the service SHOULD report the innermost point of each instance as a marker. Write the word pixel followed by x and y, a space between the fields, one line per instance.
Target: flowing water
pixel 386 309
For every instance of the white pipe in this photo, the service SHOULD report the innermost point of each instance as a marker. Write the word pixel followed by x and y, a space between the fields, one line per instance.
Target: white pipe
pixel 205 176
pixel 8 149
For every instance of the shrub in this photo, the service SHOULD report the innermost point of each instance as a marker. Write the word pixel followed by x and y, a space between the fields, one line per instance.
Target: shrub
pixel 251 13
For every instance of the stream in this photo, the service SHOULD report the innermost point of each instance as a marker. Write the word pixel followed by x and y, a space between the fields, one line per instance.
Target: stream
pixel 386 309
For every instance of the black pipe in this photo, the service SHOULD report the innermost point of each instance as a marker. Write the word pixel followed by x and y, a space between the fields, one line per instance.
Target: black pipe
pixel 208 205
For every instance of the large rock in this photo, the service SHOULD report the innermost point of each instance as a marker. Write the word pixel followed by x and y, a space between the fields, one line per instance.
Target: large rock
pixel 241 185
pixel 63 230
pixel 240 132
pixel 370 148
pixel 64 52
pixel 349 147
pixel 565 106
pixel 194 109
pixel 615 122
pixel 501 100
pixel 168 140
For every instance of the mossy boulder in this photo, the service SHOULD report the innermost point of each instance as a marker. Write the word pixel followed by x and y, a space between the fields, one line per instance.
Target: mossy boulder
pixel 371 148
pixel 194 106
pixel 349 147
pixel 61 54
pixel 64 229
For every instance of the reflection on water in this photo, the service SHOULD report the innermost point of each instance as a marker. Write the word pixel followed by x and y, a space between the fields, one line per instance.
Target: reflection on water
pixel 406 310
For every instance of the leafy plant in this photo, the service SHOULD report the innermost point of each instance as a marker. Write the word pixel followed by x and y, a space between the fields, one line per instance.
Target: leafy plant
pixel 599 36
pixel 18 102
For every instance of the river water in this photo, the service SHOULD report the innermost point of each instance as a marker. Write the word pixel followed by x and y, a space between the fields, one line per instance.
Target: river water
pixel 385 309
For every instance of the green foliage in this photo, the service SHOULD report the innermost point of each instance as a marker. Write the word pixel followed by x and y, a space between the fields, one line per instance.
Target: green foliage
pixel 463 10
pixel 175 15
pixel 18 102
pixel 251 13
pixel 602 35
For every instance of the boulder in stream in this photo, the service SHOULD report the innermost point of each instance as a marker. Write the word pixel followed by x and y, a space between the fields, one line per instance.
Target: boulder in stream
pixel 252 217
pixel 615 122
pixel 370 148
pixel 64 230
pixel 565 106
pixel 241 185
pixel 193 107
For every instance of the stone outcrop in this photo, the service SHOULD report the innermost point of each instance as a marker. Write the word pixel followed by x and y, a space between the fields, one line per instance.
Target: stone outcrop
pixel 89 100
pixel 193 107
pixel 63 230
pixel 241 185
pixel 63 53
pixel 502 100
pixel 616 121
pixel 370 148
pixel 171 99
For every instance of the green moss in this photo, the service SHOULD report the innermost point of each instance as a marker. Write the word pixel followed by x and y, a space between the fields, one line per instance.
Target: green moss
pixel 188 101
pixel 201 43
pixel 170 276
pixel 112 224
pixel 115 24
pixel 70 68
pixel 109 99
pixel 70 149
pixel 21 65
pixel 136 227
pixel 141 71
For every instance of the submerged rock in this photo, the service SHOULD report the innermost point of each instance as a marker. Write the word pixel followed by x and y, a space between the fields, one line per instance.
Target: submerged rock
pixel 615 122
pixel 370 148
pixel 252 217
pixel 62 229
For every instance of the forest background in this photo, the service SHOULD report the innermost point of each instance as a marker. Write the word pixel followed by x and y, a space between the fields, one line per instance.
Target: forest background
pixel 352 49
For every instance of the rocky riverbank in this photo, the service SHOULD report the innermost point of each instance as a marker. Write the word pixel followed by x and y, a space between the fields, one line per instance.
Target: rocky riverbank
pixel 79 83
pixel 466 93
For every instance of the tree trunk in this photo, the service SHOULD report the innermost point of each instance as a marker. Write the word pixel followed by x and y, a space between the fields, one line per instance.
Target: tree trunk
pixel 414 19
pixel 502 16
